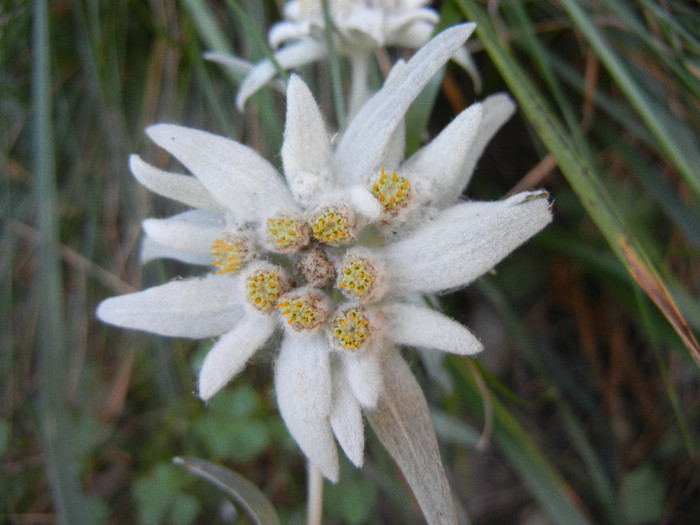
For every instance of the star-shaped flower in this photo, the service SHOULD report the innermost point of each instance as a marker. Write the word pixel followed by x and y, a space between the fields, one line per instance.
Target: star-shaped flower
pixel 359 28
pixel 358 233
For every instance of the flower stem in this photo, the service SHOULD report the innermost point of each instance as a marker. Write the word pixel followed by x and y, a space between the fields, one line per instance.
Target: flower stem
pixel 359 92
pixel 315 496
pixel 334 64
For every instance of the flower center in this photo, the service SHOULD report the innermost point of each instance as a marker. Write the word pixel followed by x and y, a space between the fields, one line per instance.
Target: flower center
pixel 264 288
pixel 350 329
pixel 287 232
pixel 315 267
pixel 357 277
pixel 303 311
pixel 392 192
pixel 332 226
pixel 230 253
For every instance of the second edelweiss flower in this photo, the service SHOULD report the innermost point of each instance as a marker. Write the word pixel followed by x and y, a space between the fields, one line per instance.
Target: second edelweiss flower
pixel 359 28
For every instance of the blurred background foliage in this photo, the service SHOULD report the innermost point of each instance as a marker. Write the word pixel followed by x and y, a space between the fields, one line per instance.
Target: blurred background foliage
pixel 584 406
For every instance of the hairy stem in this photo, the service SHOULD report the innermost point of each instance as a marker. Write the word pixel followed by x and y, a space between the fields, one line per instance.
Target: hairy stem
pixel 315 496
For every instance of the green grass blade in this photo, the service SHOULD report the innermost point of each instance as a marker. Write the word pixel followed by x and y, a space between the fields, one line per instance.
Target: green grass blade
pixel 673 61
pixel 663 17
pixel 334 65
pixel 256 37
pixel 685 159
pixel 71 505
pixel 248 496
pixel 541 57
pixel 207 28
pixel 582 176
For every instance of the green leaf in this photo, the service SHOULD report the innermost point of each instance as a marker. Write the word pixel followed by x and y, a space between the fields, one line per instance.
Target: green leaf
pixel 241 440
pixel 184 510
pixel 157 494
pixel 248 496
pixel 351 501
pixel 642 495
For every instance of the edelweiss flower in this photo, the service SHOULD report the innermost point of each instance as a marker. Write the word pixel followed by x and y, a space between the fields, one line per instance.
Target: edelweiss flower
pixel 342 286
pixel 359 28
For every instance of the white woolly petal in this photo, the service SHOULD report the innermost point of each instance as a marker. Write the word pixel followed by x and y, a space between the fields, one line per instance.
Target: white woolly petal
pixel 289 57
pixel 437 166
pixel 193 308
pixel 307 147
pixel 464 242
pixel 414 325
pixel 231 352
pixel 364 376
pixel 362 29
pixel 182 188
pixel 151 250
pixel 364 144
pixel 402 423
pixel 363 202
pixel 393 76
pixel 359 90
pixel 496 110
pixel 412 36
pixel 284 31
pixel 346 419
pixel 393 156
pixel 413 15
pixel 236 175
pixel 192 231
pixel 303 385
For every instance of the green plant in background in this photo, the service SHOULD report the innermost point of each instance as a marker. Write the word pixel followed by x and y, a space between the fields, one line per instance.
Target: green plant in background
pixel 589 413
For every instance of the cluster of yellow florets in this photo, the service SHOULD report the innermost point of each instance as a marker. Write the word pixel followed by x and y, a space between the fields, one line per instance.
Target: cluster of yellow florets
pixel 332 226
pixel 303 312
pixel 392 192
pixel 356 278
pixel 287 232
pixel 230 253
pixel 264 289
pixel 350 329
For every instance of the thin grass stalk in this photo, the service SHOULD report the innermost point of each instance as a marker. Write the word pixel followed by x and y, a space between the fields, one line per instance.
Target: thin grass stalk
pixel 256 37
pixel 53 409
pixel 334 64
pixel 207 28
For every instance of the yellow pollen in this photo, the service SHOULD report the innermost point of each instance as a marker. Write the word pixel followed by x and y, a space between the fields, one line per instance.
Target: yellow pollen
pixel 331 226
pixel 265 287
pixel 303 312
pixel 287 233
pixel 392 192
pixel 358 276
pixel 350 329
pixel 230 253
